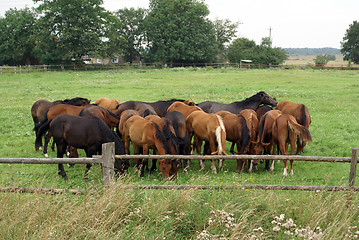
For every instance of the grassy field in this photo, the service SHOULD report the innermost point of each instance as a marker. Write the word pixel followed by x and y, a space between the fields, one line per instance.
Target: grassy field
pixel 305 60
pixel 331 97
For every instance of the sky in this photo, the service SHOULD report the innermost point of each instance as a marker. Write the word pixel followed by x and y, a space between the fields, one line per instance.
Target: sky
pixel 293 23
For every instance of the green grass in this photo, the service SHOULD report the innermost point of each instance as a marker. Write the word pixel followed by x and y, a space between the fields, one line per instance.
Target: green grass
pixel 331 97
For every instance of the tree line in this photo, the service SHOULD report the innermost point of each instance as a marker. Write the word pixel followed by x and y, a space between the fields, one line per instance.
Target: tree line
pixel 169 31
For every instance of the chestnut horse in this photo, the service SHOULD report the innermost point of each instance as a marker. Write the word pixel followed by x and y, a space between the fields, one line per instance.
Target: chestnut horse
pixel 286 130
pixel 126 114
pixel 40 107
pixel 261 110
pixel 264 139
pixel 236 132
pixel 110 119
pixel 107 103
pixel 235 107
pixel 183 108
pixel 207 127
pixel 300 113
pixel 84 133
pixel 146 134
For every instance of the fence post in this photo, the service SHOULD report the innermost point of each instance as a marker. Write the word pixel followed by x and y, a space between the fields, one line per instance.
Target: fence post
pixel 353 168
pixel 108 161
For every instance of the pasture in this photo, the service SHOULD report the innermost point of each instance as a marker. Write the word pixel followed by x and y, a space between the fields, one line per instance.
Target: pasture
pixel 331 97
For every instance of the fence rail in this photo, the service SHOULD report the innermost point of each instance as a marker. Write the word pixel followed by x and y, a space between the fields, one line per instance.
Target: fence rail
pixel 108 157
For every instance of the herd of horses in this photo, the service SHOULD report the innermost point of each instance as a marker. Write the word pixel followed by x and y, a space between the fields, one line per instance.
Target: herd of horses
pixel 256 125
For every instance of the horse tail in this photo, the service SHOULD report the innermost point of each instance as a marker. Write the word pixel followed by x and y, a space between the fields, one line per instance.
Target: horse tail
pixel 304 117
pixel 40 132
pixel 303 132
pixel 261 128
pixel 219 131
pixel 43 121
pixel 244 133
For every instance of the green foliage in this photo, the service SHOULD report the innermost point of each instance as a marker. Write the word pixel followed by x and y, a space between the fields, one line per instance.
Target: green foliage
pixel 178 31
pixel 350 43
pixel 321 60
pixel 17 40
pixel 70 29
pixel 245 49
pixel 131 29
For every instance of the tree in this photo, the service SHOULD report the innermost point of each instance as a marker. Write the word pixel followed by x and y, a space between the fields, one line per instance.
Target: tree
pixel 17 39
pixel 225 32
pixel 178 32
pixel 321 60
pixel 132 30
pixel 245 49
pixel 350 43
pixel 71 29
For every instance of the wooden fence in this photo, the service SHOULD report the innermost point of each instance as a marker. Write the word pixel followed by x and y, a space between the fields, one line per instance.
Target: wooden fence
pixel 108 157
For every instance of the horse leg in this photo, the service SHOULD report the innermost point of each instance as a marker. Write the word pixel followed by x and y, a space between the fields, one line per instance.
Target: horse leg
pixel 212 146
pixel 60 153
pixel 144 161
pixel 47 139
pixel 198 144
pixel 250 167
pixel 154 163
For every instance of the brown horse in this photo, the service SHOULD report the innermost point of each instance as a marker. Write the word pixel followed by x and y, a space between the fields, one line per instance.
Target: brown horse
pixel 183 108
pixel 146 134
pixel 236 132
pixel 106 103
pixel 170 136
pixel 286 130
pixel 300 113
pixel 264 139
pixel 253 127
pixel 261 110
pixel 142 108
pixel 207 127
pixel 105 115
pixel 126 114
pixel 40 107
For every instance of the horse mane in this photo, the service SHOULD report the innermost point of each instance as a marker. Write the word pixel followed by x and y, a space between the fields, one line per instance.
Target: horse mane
pixel 168 134
pixel 244 133
pixel 254 97
pixel 107 133
pixel 74 101
pixel 304 117
pixel 163 140
pixel 261 126
pixel 113 115
pixel 81 112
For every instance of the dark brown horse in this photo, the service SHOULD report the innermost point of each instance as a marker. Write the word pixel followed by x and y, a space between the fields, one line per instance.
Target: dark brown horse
pixel 235 107
pixel 147 135
pixel 261 110
pixel 142 108
pixel 300 113
pixel 236 132
pixel 107 103
pixel 286 131
pixel 207 127
pixel 40 107
pixel 83 133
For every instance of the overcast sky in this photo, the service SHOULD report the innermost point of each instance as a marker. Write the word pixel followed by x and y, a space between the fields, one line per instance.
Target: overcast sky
pixel 294 23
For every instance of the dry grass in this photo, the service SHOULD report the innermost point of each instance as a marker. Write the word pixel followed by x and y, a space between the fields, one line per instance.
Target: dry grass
pixel 305 60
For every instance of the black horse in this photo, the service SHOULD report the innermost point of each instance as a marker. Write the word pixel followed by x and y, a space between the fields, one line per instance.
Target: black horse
pixel 88 133
pixel 235 107
pixel 148 108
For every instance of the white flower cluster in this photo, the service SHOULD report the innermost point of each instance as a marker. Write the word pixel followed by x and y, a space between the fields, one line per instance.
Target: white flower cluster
pixel 291 229
pixel 218 218
pixel 136 212
pixel 353 233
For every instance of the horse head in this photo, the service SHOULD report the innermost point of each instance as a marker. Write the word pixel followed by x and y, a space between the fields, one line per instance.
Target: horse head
pixel 266 99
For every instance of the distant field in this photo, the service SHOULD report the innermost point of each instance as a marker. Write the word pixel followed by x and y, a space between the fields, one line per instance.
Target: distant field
pixel 303 60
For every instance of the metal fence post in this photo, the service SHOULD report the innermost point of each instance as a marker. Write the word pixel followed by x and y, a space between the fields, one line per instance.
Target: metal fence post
pixel 108 161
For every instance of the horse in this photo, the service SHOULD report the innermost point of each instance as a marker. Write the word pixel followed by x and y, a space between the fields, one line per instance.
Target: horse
pixel 300 113
pixel 235 107
pixel 236 132
pixel 168 133
pixel 57 110
pixel 88 133
pixel 207 127
pixel 178 122
pixel 287 130
pixel 110 119
pixel 261 110
pixel 183 108
pixel 40 107
pixel 142 108
pixel 107 103
pixel 161 107
pixel 253 126
pixel 264 139
pixel 126 114
pixel 147 134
